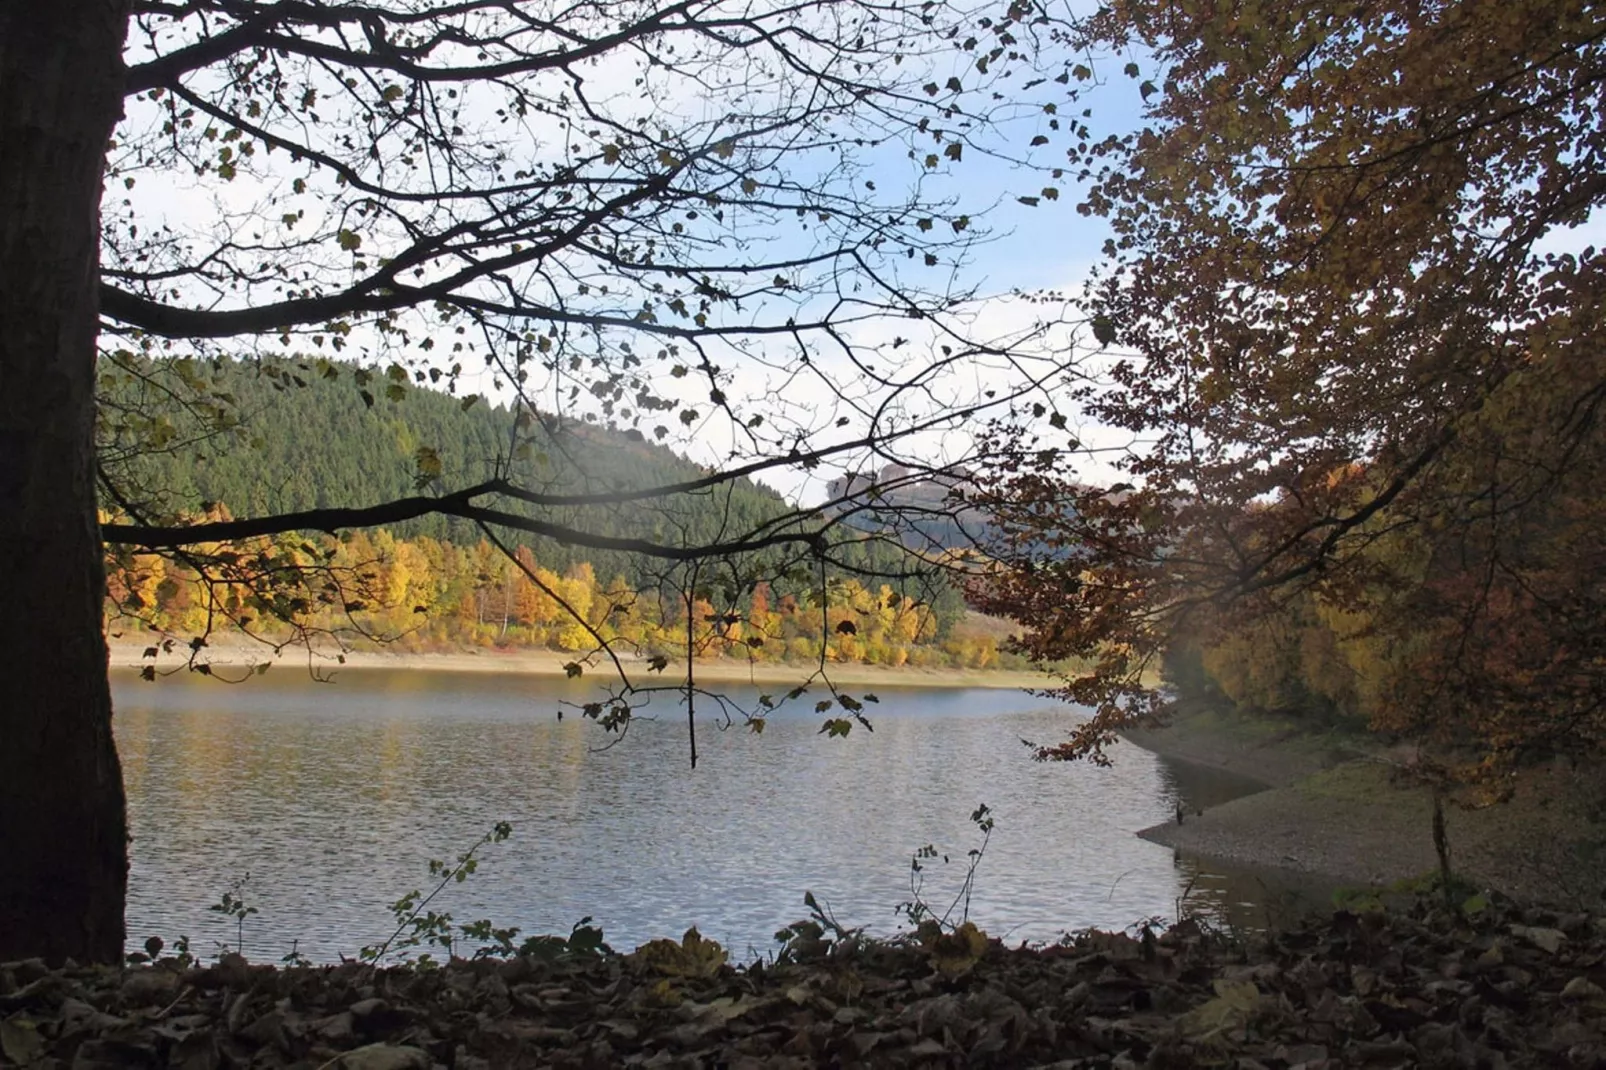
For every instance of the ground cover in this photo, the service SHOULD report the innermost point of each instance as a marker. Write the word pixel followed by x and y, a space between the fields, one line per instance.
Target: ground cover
pixel 1501 986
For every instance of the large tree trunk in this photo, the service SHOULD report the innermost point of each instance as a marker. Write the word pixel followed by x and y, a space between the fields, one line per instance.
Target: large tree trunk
pixel 63 838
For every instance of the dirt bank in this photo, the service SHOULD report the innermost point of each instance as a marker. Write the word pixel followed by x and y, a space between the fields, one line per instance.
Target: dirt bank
pixel 128 652
pixel 1339 806
pixel 1272 751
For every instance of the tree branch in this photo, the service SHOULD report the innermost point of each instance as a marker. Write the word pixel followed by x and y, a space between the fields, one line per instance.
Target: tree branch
pixel 459 504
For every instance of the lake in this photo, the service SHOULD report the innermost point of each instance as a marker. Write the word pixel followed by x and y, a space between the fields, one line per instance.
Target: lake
pixel 334 796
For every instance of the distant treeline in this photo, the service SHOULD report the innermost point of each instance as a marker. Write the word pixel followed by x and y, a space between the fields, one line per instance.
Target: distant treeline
pixel 186 440
pixel 424 594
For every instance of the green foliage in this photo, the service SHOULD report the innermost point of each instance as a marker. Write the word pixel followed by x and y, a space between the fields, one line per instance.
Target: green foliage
pixel 273 436
pixel 916 909
pixel 583 942
pixel 1458 893
pixel 417 925
pixel 155 945
pixel 280 435
pixel 232 904
pixel 817 937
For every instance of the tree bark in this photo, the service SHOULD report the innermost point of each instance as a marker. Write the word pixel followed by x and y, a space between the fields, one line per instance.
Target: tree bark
pixel 63 828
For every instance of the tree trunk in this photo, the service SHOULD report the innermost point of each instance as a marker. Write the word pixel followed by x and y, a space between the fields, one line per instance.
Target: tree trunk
pixel 63 838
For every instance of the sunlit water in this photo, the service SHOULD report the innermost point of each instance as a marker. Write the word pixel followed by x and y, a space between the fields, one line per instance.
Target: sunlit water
pixel 333 797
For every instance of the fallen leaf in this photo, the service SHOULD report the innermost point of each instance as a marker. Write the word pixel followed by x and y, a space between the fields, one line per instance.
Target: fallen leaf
pixel 692 957
pixel 1235 1003
pixel 1543 938
pixel 20 1041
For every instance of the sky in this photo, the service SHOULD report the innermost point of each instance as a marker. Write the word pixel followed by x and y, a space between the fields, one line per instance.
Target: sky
pixel 1046 248
pixel 1049 247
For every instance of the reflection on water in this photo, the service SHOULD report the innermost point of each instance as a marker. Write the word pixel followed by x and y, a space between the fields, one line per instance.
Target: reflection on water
pixel 1241 896
pixel 334 796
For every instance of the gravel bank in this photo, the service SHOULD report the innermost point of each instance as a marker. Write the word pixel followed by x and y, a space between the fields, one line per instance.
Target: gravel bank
pixel 1335 809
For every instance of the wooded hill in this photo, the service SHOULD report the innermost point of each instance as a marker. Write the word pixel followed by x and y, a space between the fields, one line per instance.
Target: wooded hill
pixel 253 438
pixel 278 436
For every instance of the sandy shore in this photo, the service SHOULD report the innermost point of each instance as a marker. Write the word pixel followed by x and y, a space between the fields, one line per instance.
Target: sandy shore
pixel 1338 806
pixel 128 652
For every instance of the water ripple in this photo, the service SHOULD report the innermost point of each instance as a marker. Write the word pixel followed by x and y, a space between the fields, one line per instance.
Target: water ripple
pixel 333 797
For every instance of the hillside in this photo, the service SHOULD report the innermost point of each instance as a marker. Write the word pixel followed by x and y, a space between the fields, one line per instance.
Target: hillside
pixel 254 438
pixel 273 436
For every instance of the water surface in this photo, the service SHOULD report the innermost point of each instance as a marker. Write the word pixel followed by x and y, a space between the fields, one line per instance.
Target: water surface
pixel 334 796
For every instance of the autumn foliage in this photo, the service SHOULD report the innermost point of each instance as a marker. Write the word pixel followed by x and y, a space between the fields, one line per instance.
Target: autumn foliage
pixel 428 594
pixel 1353 331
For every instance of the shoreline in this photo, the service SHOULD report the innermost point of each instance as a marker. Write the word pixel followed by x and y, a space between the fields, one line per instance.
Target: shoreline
pixel 1340 806
pixel 129 653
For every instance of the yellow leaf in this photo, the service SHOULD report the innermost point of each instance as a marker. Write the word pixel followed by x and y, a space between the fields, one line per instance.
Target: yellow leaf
pixel 20 1041
pixel 1235 1003
pixel 953 954
pixel 692 957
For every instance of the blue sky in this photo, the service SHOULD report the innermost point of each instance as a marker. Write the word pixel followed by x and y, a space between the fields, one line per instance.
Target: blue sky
pixel 1047 247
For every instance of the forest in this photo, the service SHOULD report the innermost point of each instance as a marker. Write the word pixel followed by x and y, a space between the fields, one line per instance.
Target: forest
pixel 433 595
pixel 282 430
pixel 1292 399
pixel 1351 301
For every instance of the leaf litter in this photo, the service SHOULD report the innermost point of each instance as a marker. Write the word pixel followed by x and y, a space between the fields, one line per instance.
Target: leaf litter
pixel 1421 986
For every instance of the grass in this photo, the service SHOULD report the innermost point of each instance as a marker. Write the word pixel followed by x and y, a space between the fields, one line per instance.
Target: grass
pixel 1358 781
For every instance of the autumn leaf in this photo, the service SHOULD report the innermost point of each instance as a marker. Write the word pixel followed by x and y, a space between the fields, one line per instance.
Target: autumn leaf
pixel 953 954
pixel 20 1041
pixel 1234 1005
pixel 692 957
